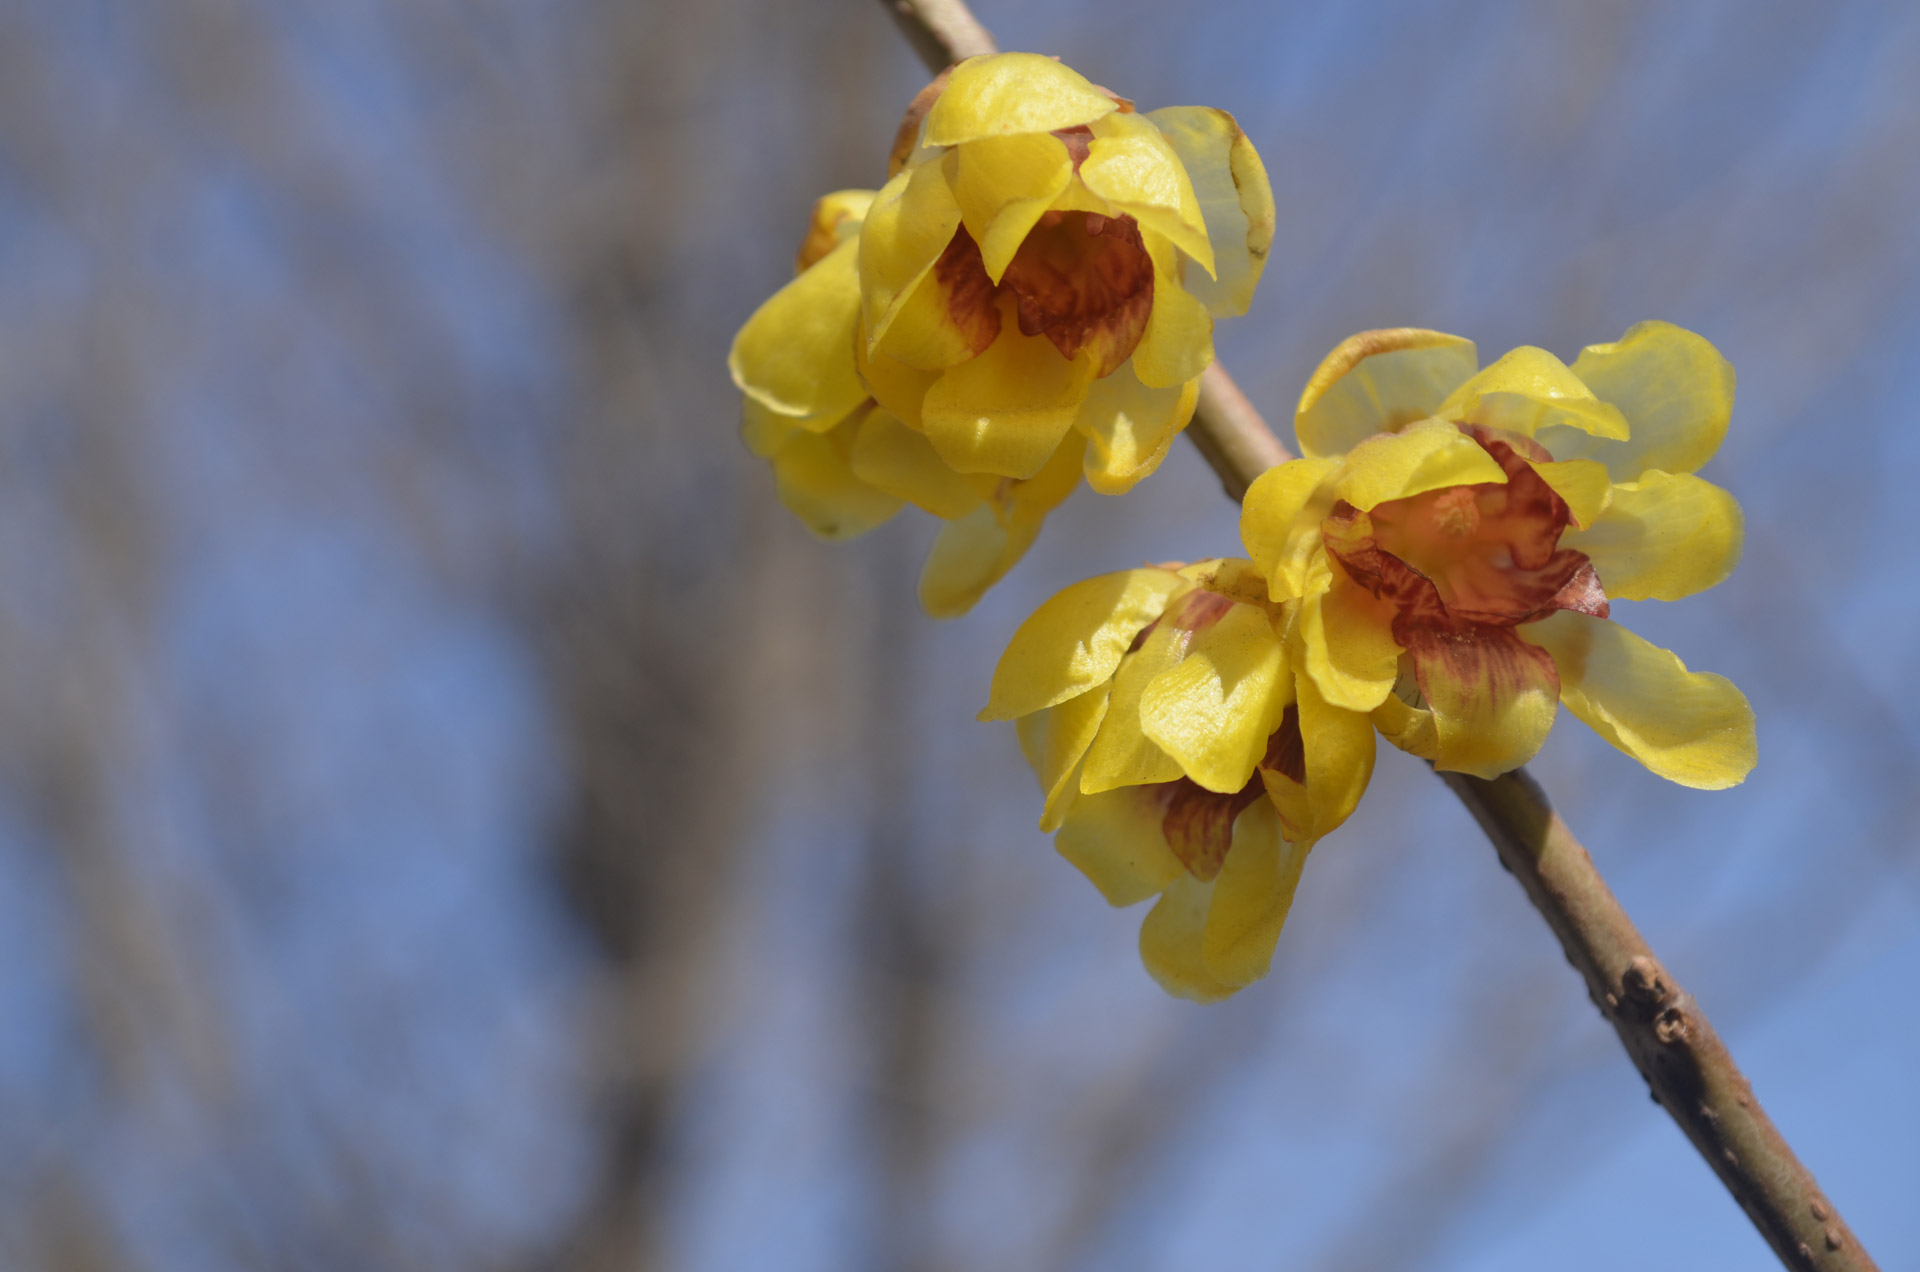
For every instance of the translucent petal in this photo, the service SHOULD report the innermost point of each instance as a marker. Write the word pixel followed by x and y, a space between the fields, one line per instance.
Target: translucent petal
pixel 1178 342
pixel 1675 390
pixel 1005 411
pixel 1582 483
pixel 1280 521
pixel 1214 711
pixel 1527 389
pixel 1131 165
pixel 1004 185
pixel 1076 640
pixel 794 356
pixel 1236 201
pixel 1663 537
pixel 1421 457
pixel 1339 752
pixel 1408 727
pixel 1251 898
pixel 1690 727
pixel 912 220
pixel 1379 382
pixel 1130 427
pixel 1172 942
pixel 764 432
pixel 1070 730
pixel 969 556
pixel 1114 838
pixel 889 456
pixel 1122 754
pixel 817 482
pixel 1009 93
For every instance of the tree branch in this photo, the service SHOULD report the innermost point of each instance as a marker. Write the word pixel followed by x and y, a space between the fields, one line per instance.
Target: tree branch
pixel 1687 1068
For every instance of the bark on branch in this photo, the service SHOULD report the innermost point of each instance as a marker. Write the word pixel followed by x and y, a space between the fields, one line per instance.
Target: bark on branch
pixel 1687 1068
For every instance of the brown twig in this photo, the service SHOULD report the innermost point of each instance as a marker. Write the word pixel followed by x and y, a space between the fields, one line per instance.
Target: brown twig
pixel 1687 1068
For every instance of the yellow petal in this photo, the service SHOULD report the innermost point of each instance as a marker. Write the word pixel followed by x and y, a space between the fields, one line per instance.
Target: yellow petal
pixel 1346 643
pixel 1070 730
pixel 948 317
pixel 1338 748
pixel 817 482
pixel 763 431
pixel 893 384
pixel 1009 93
pixel 1529 390
pixel 889 456
pixel 1675 390
pixel 1214 711
pixel 1178 342
pixel 1114 838
pixel 1690 727
pixel 1131 165
pixel 1409 727
pixel 1005 411
pixel 1236 201
pixel 1122 754
pixel 1491 696
pixel 1280 521
pixel 1421 457
pixel 1004 185
pixel 794 356
pixel 912 220
pixel 1172 941
pixel 836 218
pixel 1582 483
pixel 1075 641
pixel 1251 898
pixel 970 555
pixel 1663 537
pixel 1130 427
pixel 1047 489
pixel 1379 382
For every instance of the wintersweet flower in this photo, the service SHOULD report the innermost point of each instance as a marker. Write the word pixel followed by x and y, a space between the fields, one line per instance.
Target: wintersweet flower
pixel 1453 534
pixel 1044 266
pixel 1181 755
pixel 843 463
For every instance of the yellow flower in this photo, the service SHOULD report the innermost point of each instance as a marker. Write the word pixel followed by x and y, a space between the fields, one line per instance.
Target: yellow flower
pixel 845 464
pixel 1181 754
pixel 1043 268
pixel 1452 536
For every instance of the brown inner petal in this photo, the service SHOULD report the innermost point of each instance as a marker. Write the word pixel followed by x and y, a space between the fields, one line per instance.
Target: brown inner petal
pixel 1084 280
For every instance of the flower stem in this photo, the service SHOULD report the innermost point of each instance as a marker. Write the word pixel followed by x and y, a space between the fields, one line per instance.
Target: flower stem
pixel 1688 1070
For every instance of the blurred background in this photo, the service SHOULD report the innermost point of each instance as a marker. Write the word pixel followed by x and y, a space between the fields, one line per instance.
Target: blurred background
pixel 451 816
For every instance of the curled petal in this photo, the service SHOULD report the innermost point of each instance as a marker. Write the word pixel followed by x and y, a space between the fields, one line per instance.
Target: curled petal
pixel 1280 521
pixel 1336 763
pixel 1075 641
pixel 794 356
pixel 1130 427
pixel 1213 712
pixel 1251 898
pixel 947 317
pixel 1379 382
pixel 1122 754
pixel 1664 537
pixel 1070 729
pixel 1690 727
pixel 1529 390
pixel 1173 942
pixel 836 218
pixel 889 456
pixel 1178 342
pixel 1004 185
pixel 816 480
pixel 1346 642
pixel 1114 839
pixel 1005 411
pixel 1236 201
pixel 1675 390
pixel 1131 165
pixel 1008 93
pixel 910 224
pixel 1421 457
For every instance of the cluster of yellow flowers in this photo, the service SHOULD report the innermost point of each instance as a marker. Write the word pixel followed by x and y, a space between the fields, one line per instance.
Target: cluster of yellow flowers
pixel 1029 298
